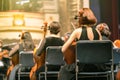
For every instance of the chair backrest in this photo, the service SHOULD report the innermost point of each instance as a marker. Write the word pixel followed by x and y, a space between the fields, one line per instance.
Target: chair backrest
pixel 116 55
pixel 54 55
pixel 26 58
pixel 96 51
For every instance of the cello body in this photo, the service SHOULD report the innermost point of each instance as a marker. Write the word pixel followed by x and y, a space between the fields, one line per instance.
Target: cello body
pixel 14 62
pixel 38 60
pixel 71 52
pixel 118 75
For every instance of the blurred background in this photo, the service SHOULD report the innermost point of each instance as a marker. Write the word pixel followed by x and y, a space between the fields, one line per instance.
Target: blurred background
pixel 30 15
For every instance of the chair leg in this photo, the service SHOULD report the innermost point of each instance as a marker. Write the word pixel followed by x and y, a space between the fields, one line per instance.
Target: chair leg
pixel 112 72
pixel 39 76
pixel 2 76
pixel 19 73
pixel 76 73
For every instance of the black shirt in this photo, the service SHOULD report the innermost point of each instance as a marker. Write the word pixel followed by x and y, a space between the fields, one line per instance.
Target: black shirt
pixel 84 35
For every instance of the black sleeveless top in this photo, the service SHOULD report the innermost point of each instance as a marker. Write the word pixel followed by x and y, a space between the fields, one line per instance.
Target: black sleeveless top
pixel 84 35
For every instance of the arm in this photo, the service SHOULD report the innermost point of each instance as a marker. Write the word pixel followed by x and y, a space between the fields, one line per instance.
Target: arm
pixel 14 50
pixel 40 47
pixel 69 41
pixel 99 34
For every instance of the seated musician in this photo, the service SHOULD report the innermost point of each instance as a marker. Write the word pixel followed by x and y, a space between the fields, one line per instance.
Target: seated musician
pixel 3 51
pixel 104 30
pixel 51 40
pixel 26 44
pixel 4 60
pixel 85 31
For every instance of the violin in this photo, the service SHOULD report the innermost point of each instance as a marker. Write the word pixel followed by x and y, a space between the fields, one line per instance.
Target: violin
pixel 5 50
pixel 39 60
pixel 4 53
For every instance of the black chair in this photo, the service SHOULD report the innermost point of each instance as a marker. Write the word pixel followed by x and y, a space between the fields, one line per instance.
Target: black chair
pixel 116 56
pixel 26 62
pixel 53 62
pixel 94 52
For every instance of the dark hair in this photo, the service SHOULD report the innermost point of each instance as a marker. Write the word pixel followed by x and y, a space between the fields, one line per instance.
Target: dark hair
pixel 54 27
pixel 104 29
pixel 27 42
pixel 25 35
pixel 86 17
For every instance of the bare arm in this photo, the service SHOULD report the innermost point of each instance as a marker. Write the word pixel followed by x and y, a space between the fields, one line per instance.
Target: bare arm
pixel 99 34
pixel 69 41
pixel 14 50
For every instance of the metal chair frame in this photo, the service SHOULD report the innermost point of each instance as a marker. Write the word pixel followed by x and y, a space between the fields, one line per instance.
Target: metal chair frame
pixel 94 52
pixel 54 57
pixel 25 60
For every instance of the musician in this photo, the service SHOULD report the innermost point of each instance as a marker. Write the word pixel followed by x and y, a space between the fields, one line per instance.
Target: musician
pixel 4 61
pixel 51 40
pixel 85 31
pixel 2 51
pixel 104 30
pixel 26 44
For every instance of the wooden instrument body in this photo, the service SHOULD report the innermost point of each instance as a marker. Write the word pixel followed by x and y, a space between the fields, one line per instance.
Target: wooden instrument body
pixel 39 60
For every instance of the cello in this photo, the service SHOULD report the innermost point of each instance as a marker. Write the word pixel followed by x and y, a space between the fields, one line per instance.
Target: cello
pixel 39 60
pixel 71 49
pixel 118 75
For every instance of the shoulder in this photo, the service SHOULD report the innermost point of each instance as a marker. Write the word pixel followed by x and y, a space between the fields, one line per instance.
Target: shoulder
pixel 16 46
pixel 77 31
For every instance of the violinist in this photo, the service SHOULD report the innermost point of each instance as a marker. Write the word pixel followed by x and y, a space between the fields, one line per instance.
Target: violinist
pixel 3 51
pixel 26 44
pixel 4 61
pixel 51 40
pixel 85 31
